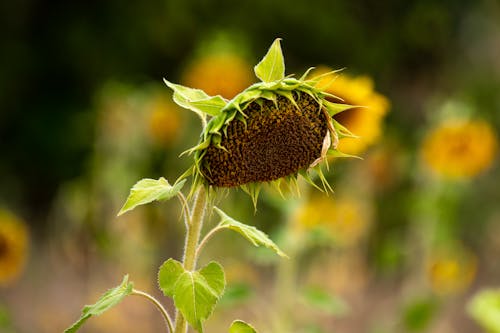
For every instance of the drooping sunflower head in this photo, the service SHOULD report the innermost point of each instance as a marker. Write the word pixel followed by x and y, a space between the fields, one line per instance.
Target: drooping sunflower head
pixel 274 130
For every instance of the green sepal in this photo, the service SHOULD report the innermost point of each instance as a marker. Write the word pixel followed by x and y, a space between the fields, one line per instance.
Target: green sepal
pixel 338 154
pixel 308 179
pixel 324 181
pixel 211 106
pixel 306 73
pixel 269 95
pixel 239 326
pixel 253 190
pixel 202 145
pixel 215 124
pixel 272 66
pixel 342 130
pixel 148 190
pixel 335 108
pixel 315 80
pixel 111 298
pixel 289 95
pixel 196 100
pixel 251 233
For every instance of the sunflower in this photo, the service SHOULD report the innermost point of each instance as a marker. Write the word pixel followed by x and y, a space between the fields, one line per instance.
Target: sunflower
pixel 344 220
pixel 459 148
pixel 451 271
pixel 364 121
pixel 224 74
pixel 275 129
pixel 13 247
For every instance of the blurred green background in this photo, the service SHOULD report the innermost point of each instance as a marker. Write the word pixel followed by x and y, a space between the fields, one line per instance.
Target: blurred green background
pixel 409 236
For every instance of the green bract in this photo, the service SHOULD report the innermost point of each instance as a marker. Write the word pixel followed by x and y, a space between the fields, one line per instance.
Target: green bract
pixel 274 130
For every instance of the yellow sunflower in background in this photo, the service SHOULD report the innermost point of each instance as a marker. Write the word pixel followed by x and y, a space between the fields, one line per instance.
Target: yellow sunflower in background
pixel 451 271
pixel 224 74
pixel 164 120
pixel 13 246
pixel 364 121
pixel 460 148
pixel 344 219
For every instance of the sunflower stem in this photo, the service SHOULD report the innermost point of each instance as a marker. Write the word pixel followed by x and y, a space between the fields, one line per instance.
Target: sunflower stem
pixel 194 226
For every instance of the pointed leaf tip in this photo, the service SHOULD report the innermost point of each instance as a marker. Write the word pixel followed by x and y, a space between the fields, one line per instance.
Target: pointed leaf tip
pixel 239 326
pixel 196 100
pixel 272 66
pixel 108 300
pixel 147 190
pixel 251 233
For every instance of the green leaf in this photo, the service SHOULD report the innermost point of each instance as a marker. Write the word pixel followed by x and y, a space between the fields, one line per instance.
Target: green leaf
pixel 484 307
pixel 254 235
pixel 239 326
pixel 272 66
pixel 148 190
pixel 168 275
pixel 196 100
pixel 335 108
pixel 212 105
pixel 197 293
pixel 111 298
pixel 214 274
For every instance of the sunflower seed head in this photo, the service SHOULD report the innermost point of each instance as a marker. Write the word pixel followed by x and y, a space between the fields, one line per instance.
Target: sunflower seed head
pixel 276 140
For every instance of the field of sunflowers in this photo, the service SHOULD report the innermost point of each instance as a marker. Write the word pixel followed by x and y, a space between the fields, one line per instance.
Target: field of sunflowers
pixel 379 213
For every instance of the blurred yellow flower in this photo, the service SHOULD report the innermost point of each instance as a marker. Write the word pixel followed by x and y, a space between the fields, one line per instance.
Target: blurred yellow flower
pixel 364 121
pixel 460 149
pixel 344 219
pixel 451 271
pixel 164 120
pixel 13 246
pixel 222 74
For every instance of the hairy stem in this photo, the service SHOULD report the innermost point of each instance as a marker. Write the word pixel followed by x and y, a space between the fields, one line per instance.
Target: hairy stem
pixel 158 305
pixel 195 223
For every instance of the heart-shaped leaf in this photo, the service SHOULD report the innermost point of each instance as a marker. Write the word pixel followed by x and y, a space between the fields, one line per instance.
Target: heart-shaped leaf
pixel 168 275
pixel 196 293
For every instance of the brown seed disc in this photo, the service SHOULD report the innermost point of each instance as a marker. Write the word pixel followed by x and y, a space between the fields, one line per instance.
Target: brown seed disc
pixel 277 142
